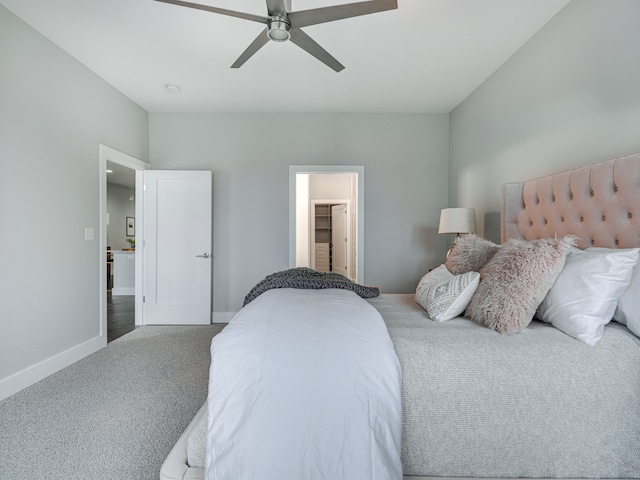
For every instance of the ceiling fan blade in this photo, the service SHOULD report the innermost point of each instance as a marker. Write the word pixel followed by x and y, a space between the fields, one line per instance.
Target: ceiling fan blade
pixel 309 45
pixel 207 8
pixel 276 8
pixel 256 45
pixel 315 16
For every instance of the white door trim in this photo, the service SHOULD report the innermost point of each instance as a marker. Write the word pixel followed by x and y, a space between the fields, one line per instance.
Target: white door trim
pixel 115 156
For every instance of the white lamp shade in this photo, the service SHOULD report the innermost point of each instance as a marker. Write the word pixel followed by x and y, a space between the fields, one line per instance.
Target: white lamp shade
pixel 457 220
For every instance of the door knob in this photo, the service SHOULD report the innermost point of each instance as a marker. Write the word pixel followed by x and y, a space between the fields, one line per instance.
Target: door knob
pixel 204 255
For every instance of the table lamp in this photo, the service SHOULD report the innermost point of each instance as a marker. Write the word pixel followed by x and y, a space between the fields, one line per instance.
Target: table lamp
pixel 460 221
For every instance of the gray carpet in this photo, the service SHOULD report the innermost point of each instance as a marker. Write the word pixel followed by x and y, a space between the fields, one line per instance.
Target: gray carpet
pixel 113 415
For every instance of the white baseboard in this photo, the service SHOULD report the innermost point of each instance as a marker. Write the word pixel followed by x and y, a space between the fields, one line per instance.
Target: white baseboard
pixel 30 375
pixel 222 317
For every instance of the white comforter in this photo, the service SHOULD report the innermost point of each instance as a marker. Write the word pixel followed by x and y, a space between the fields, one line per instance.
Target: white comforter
pixel 304 384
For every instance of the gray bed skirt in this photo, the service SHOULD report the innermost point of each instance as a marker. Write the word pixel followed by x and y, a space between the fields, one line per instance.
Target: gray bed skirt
pixel 477 404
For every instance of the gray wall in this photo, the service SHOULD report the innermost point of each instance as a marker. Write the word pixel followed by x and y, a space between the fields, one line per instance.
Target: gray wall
pixel 119 208
pixel 54 113
pixel 406 185
pixel 568 97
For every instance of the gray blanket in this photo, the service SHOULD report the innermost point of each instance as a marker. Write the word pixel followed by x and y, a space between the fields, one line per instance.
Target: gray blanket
pixel 307 278
pixel 536 404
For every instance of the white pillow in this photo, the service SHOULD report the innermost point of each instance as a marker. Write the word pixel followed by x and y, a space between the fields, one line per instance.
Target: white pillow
pixel 585 295
pixel 445 296
pixel 628 311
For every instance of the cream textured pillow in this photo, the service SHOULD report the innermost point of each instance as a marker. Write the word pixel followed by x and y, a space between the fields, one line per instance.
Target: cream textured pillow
pixel 584 298
pixel 469 254
pixel 515 281
pixel 445 296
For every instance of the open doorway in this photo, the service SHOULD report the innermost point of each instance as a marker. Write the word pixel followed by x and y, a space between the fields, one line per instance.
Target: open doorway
pixel 314 191
pixel 121 250
pixel 332 233
pixel 120 267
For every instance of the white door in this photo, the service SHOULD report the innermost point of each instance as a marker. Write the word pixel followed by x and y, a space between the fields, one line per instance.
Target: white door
pixel 177 248
pixel 339 239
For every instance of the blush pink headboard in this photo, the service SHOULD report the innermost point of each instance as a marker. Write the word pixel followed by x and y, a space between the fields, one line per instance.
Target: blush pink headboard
pixel 599 203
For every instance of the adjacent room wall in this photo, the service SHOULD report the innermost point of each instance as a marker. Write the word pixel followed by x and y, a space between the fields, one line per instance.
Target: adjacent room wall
pixel 568 97
pixel 119 207
pixel 406 185
pixel 54 113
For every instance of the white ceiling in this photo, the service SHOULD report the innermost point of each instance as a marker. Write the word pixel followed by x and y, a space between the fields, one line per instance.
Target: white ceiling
pixel 426 56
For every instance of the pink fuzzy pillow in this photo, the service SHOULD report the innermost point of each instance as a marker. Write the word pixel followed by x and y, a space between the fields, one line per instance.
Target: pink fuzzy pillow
pixel 515 281
pixel 469 254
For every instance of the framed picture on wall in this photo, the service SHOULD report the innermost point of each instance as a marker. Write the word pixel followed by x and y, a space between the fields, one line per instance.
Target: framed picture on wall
pixel 131 226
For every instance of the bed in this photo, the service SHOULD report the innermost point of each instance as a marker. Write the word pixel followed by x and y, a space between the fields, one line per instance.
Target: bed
pixel 550 401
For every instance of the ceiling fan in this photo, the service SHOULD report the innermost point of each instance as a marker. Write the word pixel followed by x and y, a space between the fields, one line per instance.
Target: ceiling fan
pixel 283 25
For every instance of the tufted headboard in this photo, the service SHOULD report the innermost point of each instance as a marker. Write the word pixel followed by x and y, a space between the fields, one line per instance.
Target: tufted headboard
pixel 599 203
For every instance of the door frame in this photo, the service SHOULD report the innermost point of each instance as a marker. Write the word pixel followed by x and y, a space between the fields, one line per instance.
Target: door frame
pixel 115 156
pixel 358 170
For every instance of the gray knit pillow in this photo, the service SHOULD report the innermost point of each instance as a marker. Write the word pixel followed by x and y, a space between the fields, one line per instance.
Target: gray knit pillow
pixel 470 253
pixel 445 296
pixel 515 281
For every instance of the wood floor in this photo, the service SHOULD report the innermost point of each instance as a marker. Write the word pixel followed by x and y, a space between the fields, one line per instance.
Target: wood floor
pixel 120 315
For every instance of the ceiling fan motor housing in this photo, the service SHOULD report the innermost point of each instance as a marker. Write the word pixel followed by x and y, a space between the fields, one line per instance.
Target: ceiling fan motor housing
pixel 278 29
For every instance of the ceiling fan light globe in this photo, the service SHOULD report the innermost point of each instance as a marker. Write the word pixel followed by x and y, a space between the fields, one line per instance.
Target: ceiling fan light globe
pixel 279 30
